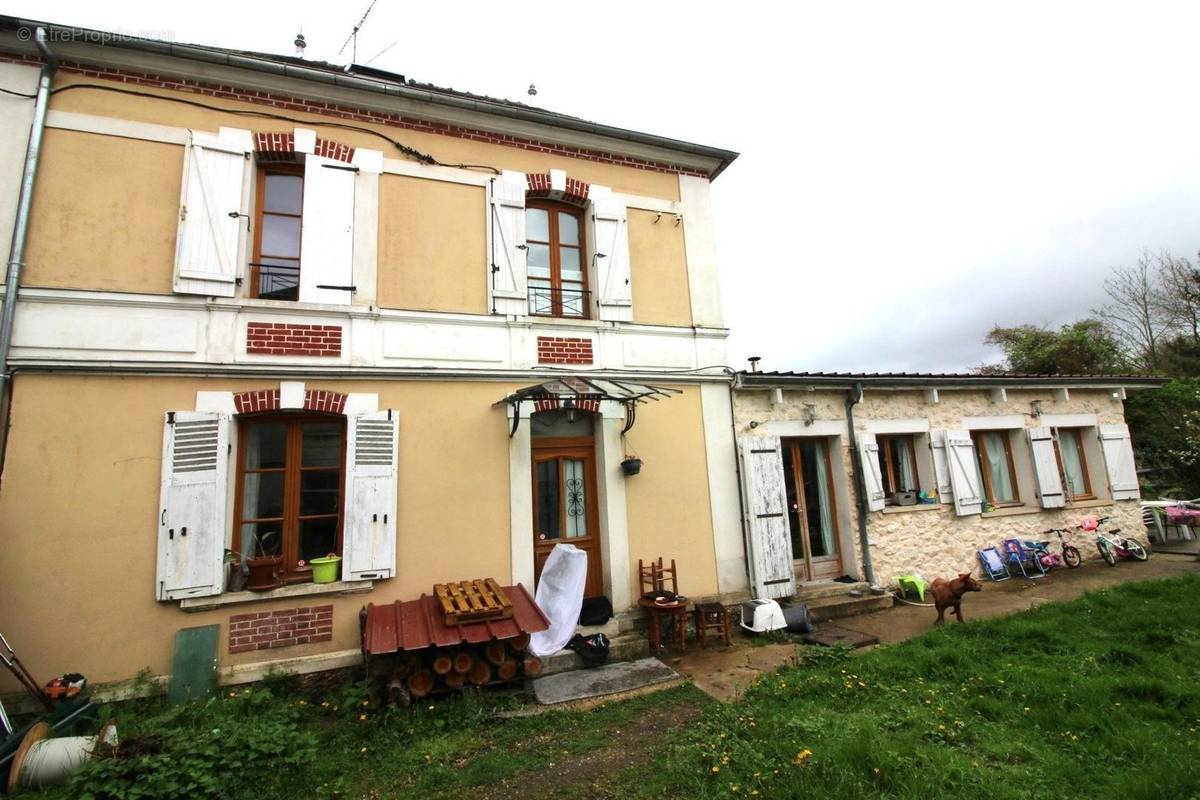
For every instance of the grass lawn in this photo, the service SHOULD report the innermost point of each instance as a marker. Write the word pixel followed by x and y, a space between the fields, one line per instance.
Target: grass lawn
pixel 1093 698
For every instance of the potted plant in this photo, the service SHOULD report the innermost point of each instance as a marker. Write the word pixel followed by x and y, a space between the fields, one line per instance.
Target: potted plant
pixel 263 568
pixel 632 465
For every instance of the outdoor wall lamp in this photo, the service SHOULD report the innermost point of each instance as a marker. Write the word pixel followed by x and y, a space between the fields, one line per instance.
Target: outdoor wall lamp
pixel 569 406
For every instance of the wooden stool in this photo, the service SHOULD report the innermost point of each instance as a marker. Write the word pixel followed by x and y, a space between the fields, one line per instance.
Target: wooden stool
pixel 712 618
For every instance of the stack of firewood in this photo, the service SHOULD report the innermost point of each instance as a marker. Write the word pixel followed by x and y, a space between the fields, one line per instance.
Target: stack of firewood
pixel 419 674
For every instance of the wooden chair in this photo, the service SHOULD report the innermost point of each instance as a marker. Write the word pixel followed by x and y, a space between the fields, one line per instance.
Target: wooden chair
pixel 652 579
pixel 712 618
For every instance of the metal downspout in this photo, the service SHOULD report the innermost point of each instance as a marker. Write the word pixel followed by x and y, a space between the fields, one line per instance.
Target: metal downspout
pixel 16 254
pixel 853 398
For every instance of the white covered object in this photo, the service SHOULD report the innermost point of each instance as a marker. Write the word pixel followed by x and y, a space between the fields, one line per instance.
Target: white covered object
pixel 762 616
pixel 560 596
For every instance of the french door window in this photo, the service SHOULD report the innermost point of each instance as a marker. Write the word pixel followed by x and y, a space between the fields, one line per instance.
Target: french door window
pixel 275 272
pixel 555 260
pixel 290 477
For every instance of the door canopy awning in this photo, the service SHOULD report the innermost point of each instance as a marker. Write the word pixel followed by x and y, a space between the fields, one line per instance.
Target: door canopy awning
pixel 584 394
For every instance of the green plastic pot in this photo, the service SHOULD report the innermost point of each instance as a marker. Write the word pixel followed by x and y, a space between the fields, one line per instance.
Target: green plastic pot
pixel 325 570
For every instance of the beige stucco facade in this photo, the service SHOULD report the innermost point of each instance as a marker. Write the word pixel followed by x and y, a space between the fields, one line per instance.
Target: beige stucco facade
pixel 79 503
pixel 933 540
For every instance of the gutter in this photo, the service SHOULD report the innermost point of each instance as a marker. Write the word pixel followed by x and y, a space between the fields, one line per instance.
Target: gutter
pixel 16 254
pixel 854 397
pixel 379 86
pixel 843 383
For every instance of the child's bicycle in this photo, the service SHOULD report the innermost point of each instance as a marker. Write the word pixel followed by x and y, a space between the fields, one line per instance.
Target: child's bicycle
pixel 1111 544
pixel 1069 555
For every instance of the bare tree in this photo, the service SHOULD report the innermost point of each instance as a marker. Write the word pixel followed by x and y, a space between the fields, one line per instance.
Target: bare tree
pixel 1136 313
pixel 1179 294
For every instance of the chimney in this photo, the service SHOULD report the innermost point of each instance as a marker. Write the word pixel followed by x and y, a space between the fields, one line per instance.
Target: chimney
pixel 754 362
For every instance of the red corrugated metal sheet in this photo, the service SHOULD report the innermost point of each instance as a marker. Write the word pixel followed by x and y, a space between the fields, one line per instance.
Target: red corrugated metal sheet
pixel 417 624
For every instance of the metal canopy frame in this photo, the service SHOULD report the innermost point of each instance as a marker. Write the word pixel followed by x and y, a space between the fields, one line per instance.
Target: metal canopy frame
pixel 570 390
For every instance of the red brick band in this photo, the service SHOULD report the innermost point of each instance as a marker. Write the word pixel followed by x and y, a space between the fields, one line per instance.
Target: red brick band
pixel 268 400
pixel 267 630
pixel 291 339
pixel 282 147
pixel 292 103
pixel 564 350
pixel 576 191
pixel 583 403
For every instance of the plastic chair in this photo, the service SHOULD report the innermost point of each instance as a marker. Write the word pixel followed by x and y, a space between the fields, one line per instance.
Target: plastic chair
pixel 914 582
pixel 993 564
pixel 1023 557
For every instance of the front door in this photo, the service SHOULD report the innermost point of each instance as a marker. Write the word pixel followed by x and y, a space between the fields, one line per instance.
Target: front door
pixel 812 508
pixel 564 503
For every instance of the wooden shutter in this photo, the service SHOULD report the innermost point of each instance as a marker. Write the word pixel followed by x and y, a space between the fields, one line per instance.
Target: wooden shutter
pixel 191 514
pixel 769 548
pixel 369 539
pixel 868 448
pixel 610 251
pixel 208 243
pixel 964 473
pixel 508 249
pixel 1118 458
pixel 327 236
pixel 941 469
pixel 1045 466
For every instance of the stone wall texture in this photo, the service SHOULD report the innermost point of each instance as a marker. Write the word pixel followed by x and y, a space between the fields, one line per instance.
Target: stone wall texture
pixel 935 542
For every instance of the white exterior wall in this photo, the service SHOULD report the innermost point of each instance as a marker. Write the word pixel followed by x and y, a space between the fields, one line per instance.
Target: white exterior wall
pixel 931 539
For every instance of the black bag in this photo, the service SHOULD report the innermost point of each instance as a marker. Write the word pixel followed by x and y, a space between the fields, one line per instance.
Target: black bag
pixel 592 649
pixel 595 611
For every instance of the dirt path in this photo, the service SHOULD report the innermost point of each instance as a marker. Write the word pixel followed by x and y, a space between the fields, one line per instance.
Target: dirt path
pixel 586 774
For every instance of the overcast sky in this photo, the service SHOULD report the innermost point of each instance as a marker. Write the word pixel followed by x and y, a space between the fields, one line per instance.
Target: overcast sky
pixel 911 173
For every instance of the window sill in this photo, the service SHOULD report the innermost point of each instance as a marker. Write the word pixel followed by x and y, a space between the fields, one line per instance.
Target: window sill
pixel 295 590
pixel 909 509
pixel 1015 511
pixel 1096 503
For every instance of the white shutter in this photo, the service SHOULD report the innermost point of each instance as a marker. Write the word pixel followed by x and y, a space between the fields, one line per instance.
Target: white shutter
pixel 191 514
pixel 369 539
pixel 327 236
pixel 941 468
pixel 1045 466
pixel 769 548
pixel 608 231
pixel 208 243
pixel 1118 458
pixel 508 249
pixel 868 448
pixel 964 473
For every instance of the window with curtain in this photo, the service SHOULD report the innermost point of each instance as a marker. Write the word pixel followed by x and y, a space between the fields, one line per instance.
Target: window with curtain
pixel 1072 463
pixel 997 473
pixel 898 464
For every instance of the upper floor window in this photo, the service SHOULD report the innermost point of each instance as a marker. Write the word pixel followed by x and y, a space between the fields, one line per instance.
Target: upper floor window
pixel 275 271
pixel 555 259
pixel 997 471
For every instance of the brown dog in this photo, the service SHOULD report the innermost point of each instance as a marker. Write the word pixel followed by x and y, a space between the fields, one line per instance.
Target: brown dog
pixel 949 594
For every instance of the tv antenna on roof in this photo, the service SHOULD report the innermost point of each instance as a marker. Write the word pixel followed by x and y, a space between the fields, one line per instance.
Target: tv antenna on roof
pixel 353 37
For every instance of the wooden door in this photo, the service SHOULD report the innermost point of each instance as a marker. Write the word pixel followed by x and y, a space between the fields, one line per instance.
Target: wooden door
pixel 812 508
pixel 564 503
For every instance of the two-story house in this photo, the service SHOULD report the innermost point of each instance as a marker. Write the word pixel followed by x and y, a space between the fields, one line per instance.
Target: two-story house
pixel 275 309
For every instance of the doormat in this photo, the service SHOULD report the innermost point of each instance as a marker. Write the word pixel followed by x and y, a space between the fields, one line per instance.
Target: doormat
pixel 581 684
pixel 830 635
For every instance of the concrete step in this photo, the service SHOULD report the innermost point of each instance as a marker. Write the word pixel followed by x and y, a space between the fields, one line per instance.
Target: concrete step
pixel 827 608
pixel 623 647
pixel 816 590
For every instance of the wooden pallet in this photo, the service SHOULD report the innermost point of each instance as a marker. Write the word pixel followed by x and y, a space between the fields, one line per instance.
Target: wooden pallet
pixel 472 601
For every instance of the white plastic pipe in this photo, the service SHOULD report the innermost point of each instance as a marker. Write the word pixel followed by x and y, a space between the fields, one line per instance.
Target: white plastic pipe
pixel 50 761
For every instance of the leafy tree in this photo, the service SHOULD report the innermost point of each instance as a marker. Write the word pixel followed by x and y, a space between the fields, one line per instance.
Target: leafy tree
pixel 1165 425
pixel 1086 347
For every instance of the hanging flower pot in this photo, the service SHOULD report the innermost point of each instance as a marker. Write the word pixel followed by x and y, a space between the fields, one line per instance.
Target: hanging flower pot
pixel 631 466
